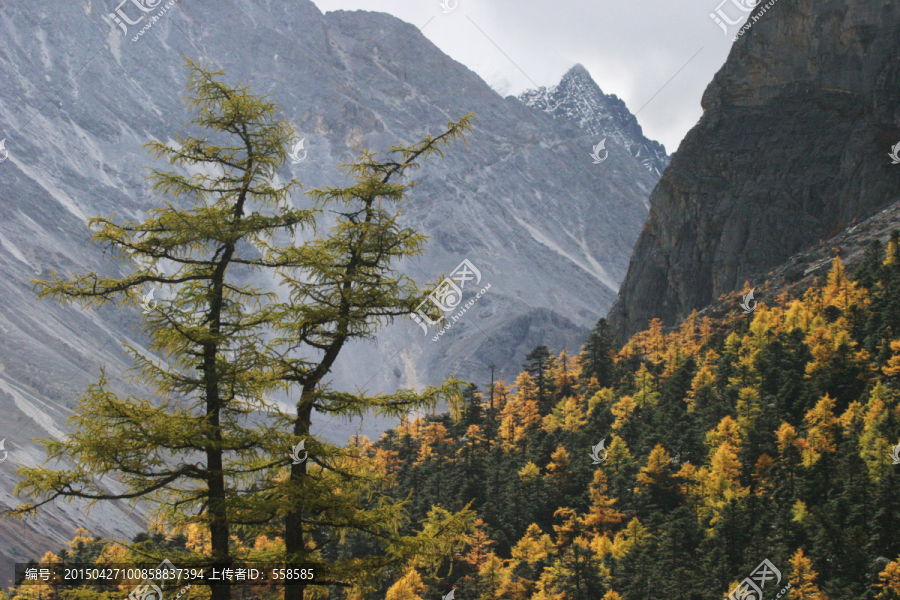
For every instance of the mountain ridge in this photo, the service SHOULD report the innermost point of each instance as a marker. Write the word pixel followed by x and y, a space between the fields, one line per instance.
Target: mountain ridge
pixel 87 98
pixel 790 149
pixel 810 266
pixel 578 97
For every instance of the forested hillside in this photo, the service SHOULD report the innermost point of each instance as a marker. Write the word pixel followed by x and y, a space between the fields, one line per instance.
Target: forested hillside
pixel 764 437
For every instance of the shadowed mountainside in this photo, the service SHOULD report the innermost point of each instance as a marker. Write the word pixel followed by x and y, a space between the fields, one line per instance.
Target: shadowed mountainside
pixel 791 149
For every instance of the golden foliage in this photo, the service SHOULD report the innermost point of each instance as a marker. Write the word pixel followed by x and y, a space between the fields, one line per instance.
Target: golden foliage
pixel 407 587
pixel 567 415
pixel 603 398
pixel 654 472
pixel 558 468
pixel 889 579
pixel 786 436
pixel 526 389
pixel 704 380
pixel 802 580
pixel 761 479
pixel 565 370
pixel 521 414
pixel 627 538
pixel 622 410
pixel 651 341
pixel 478 543
pixel 820 431
pixel 601 513
pixel 530 472
pixel 645 393
pixel 800 512
pixel 892 368
pixel 535 545
pixel 874 446
pixel 726 431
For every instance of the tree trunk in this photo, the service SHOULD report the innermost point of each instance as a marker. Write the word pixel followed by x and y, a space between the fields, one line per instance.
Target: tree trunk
pixel 218 523
pixel 215 483
pixel 217 509
pixel 293 521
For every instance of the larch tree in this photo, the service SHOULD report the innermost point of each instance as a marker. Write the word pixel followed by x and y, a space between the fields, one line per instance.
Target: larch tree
pixel 559 467
pixel 196 449
pixel 889 581
pixel 408 587
pixel 657 472
pixel 565 373
pixel 348 289
pixel 821 429
pixel 803 579
pixel 578 571
pixel 566 415
pixel 623 410
pixel 601 514
pixel 211 447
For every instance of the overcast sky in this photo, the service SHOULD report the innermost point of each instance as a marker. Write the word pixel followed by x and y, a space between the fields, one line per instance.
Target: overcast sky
pixel 632 48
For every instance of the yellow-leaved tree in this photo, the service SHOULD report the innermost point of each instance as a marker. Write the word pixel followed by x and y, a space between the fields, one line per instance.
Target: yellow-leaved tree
pixel 407 587
pixel 803 579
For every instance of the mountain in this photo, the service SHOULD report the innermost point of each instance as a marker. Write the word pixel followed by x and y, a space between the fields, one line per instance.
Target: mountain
pixel 579 98
pixel 792 148
pixel 740 457
pixel 550 231
pixel 810 267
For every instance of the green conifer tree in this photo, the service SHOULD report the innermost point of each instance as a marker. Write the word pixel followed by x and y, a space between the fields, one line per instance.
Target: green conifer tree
pixel 537 365
pixel 597 358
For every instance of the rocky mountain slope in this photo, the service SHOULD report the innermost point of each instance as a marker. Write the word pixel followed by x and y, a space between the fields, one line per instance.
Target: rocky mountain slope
pixel 804 269
pixel 579 98
pixel 791 149
pixel 550 231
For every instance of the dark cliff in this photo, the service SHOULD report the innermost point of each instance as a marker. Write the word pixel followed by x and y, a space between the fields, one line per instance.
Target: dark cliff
pixel 792 148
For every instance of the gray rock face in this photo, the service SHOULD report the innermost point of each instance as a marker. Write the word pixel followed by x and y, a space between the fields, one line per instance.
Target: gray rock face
pixel 791 149
pixel 579 98
pixel 811 266
pixel 550 231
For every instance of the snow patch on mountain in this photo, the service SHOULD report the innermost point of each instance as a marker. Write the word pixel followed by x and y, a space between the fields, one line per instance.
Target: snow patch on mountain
pixel 578 98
